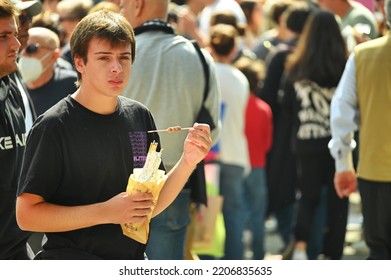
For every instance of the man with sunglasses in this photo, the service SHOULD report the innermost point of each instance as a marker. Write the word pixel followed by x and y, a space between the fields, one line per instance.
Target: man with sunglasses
pixel 46 81
pixel 13 241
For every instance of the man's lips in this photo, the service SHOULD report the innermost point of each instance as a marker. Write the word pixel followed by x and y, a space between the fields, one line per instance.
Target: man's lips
pixel 13 55
pixel 116 82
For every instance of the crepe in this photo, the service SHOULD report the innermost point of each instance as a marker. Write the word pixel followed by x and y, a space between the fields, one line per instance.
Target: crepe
pixel 149 179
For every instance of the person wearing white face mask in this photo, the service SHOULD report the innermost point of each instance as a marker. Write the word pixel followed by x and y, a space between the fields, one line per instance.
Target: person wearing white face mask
pixel 31 67
pixel 46 81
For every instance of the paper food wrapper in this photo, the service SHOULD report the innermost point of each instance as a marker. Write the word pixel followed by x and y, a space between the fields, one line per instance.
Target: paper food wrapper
pixel 148 179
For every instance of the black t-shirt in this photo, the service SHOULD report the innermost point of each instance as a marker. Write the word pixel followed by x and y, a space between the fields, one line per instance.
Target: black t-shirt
pixel 12 143
pixel 77 157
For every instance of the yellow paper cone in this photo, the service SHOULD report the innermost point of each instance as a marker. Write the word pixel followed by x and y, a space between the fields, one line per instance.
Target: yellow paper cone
pixel 140 231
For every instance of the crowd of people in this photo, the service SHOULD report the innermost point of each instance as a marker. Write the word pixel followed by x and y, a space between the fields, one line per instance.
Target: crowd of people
pixel 291 115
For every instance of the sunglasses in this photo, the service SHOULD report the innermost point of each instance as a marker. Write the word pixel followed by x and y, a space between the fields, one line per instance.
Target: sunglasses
pixel 33 48
pixel 25 18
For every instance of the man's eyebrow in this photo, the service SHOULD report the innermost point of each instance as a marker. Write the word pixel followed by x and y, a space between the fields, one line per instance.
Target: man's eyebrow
pixel 6 33
pixel 124 53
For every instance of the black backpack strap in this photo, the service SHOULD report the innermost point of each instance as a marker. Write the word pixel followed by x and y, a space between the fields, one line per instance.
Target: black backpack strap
pixel 197 181
pixel 205 66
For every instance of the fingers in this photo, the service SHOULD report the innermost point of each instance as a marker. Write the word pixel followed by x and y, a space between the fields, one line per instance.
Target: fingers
pixel 141 197
pixel 346 193
pixel 339 192
pixel 139 207
pixel 345 183
pixel 141 203
pixel 200 136
pixel 202 126
pixel 141 212
pixel 338 185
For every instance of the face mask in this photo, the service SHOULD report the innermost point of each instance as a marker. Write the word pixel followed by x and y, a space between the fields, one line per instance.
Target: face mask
pixel 31 68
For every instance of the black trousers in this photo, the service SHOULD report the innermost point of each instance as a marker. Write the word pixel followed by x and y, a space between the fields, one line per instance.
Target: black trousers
pixel 314 172
pixel 376 210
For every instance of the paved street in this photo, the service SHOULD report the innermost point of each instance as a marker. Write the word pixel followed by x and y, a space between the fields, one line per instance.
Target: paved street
pixel 355 248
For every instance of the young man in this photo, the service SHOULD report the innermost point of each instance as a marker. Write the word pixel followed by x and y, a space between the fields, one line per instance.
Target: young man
pixel 12 137
pixel 80 153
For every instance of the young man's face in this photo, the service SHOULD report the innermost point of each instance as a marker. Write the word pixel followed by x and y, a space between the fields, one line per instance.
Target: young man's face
pixel 9 46
pixel 107 70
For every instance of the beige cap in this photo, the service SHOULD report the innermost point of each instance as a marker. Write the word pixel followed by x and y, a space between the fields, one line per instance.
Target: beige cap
pixel 33 8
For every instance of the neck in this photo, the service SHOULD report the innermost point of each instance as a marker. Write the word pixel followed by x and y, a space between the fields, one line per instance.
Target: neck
pixel 152 9
pixel 100 104
pixel 222 59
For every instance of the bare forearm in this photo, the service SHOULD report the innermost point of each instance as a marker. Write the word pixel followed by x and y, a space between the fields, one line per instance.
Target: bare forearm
pixel 47 217
pixel 35 214
pixel 196 147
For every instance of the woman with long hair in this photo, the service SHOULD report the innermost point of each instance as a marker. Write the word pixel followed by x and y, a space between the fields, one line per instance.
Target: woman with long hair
pixel 313 71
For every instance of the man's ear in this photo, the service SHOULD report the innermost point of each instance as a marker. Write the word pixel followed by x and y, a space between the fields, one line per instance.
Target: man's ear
pixel 57 53
pixel 139 6
pixel 79 64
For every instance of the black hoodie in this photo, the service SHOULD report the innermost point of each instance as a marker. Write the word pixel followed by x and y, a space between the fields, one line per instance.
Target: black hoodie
pixel 12 143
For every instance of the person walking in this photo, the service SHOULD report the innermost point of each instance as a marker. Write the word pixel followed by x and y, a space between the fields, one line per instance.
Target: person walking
pixel 259 134
pixel 233 154
pixel 309 89
pixel 361 102
pixel 281 161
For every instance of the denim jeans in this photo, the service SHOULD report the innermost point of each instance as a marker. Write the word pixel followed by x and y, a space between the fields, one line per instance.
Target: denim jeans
pixel 168 230
pixel 256 205
pixel 232 190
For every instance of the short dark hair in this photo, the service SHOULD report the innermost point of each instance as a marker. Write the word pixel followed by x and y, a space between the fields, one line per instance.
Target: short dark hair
pixel 277 9
pixel 296 16
pixel 104 25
